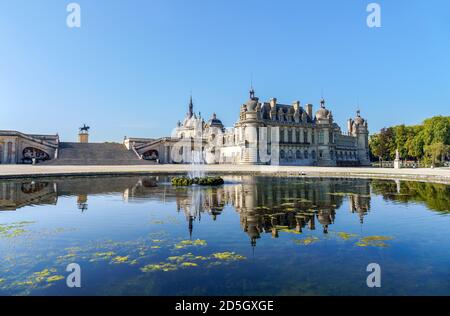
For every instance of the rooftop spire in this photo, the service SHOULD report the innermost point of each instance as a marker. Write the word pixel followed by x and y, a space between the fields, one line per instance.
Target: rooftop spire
pixel 191 107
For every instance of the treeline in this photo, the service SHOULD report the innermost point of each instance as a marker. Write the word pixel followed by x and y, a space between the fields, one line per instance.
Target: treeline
pixel 427 143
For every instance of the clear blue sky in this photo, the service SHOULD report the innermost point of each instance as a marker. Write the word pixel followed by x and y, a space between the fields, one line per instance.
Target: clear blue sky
pixel 131 66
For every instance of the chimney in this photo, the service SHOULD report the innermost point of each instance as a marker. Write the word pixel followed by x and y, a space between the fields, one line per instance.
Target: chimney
pixel 273 102
pixel 350 126
pixel 309 110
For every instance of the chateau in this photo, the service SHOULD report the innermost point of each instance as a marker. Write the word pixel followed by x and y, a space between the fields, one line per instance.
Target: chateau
pixel 267 133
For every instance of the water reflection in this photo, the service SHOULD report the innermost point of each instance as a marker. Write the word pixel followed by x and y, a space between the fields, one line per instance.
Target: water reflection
pixel 266 205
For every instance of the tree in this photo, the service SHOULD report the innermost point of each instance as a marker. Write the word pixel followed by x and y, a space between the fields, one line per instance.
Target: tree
pixel 428 141
pixel 435 151
pixel 382 145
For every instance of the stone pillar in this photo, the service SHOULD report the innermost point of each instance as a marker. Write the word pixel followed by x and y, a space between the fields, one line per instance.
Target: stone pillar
pixel 1 152
pixel 397 164
pixel 5 152
pixel 83 138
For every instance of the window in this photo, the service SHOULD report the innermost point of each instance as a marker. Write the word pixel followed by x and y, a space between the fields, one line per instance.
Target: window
pixel 320 153
pixel 321 137
pixel 305 136
pixel 297 136
pixel 298 154
pixel 9 153
pixel 306 154
pixel 332 155
pixel 312 137
pixel 313 153
pixel 290 155
pixel 282 136
pixel 282 154
pixel 289 136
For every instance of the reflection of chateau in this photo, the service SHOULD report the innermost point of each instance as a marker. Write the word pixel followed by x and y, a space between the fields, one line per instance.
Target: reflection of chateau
pixel 265 205
pixel 271 207
pixel 14 195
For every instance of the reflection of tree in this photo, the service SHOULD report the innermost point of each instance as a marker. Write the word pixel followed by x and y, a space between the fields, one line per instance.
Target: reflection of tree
pixel 435 196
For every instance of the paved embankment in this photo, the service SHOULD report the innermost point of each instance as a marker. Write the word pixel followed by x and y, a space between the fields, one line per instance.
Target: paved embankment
pixel 29 171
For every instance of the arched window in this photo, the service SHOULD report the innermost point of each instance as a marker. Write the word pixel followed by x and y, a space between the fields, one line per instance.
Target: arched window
pixel 290 155
pixel 289 136
pixel 297 136
pixel 306 154
pixel 305 136
pixel 313 153
pixel 298 154
pixel 151 154
pixel 30 152
pixel 282 154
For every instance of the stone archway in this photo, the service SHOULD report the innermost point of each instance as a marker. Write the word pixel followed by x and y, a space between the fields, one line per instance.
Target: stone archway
pixel 31 152
pixel 151 154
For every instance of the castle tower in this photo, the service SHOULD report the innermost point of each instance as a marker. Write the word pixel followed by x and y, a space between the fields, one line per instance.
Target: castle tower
pixel 250 115
pixel 361 132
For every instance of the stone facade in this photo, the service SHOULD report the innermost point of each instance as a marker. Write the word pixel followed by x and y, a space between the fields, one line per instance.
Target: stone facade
pixel 16 147
pixel 267 133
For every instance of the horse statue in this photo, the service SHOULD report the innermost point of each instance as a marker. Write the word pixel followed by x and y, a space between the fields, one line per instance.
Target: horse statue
pixel 84 128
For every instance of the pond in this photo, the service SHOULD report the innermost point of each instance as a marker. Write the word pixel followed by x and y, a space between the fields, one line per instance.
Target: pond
pixel 254 235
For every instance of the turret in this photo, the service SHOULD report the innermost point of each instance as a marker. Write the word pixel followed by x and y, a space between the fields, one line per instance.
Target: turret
pixel 359 129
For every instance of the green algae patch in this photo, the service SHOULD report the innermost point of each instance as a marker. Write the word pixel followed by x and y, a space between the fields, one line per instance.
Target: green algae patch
pixel 373 241
pixel 346 236
pixel 306 241
pixel 186 243
pixel 290 231
pixel 108 254
pixel 67 256
pixel 228 256
pixel 13 230
pixel 23 283
pixel 189 264
pixel 2 281
pixel 98 256
pixel 165 267
pixel 42 275
pixel 349 194
pixel 120 259
pixel 54 278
